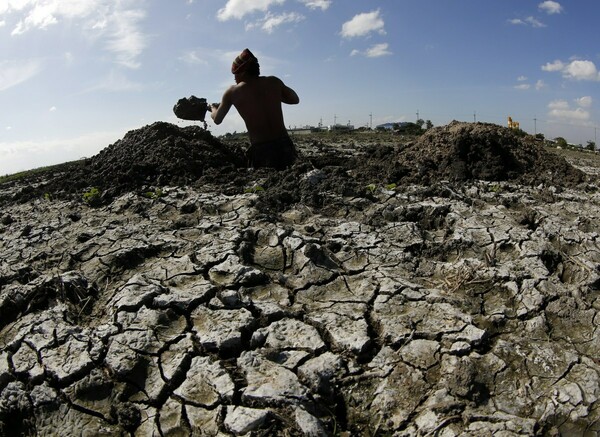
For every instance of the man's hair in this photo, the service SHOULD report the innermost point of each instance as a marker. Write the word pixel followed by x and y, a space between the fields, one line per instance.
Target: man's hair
pixel 243 62
pixel 253 69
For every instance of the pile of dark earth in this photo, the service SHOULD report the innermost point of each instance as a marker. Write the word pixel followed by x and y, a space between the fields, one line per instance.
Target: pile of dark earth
pixel 163 154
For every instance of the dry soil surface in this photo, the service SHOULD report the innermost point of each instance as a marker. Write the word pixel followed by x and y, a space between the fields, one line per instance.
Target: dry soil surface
pixel 446 285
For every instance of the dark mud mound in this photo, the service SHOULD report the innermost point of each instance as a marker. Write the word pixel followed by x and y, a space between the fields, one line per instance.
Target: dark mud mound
pixel 456 153
pixel 155 155
pixel 162 154
pixel 482 151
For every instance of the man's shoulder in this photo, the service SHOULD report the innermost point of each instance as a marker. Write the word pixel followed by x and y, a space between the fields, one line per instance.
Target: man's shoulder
pixel 270 78
pixel 235 89
pixel 231 89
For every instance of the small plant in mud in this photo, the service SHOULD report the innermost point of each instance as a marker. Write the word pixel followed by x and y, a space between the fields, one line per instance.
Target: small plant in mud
pixel 371 188
pixel 156 194
pixel 494 188
pixel 48 197
pixel 254 189
pixel 92 197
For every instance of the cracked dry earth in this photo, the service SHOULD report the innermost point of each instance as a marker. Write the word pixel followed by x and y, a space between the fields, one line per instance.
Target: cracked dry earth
pixel 443 309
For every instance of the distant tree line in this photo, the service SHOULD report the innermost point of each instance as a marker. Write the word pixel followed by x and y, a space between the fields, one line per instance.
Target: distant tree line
pixel 562 143
pixel 410 128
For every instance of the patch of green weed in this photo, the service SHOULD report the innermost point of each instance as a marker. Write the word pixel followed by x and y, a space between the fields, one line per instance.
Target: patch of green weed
pixel 156 194
pixel 92 197
pixel 255 189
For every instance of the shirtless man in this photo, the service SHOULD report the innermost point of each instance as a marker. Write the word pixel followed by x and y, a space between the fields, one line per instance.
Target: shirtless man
pixel 258 100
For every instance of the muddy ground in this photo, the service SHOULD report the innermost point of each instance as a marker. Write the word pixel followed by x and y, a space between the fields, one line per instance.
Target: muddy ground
pixel 442 285
pixel 162 154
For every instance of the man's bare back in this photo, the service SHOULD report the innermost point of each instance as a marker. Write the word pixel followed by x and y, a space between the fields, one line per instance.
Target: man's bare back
pixel 258 100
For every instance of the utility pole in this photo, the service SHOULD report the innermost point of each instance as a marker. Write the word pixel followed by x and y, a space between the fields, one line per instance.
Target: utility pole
pixel 534 125
pixel 474 117
pixel 334 119
pixel 417 115
pixel 371 120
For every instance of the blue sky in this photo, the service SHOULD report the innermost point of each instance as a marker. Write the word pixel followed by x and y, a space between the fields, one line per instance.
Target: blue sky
pixel 76 75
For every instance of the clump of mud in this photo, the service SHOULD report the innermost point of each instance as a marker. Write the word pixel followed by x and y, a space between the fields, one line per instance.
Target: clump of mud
pixel 482 151
pixel 164 154
pixel 456 153
pixel 156 155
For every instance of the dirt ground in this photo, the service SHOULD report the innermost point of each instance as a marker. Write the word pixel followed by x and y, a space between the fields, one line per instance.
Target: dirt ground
pixel 448 290
pixel 164 154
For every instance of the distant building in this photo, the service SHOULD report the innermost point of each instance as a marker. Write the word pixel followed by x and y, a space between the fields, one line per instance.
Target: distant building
pixel 391 126
pixel 301 130
pixel 341 127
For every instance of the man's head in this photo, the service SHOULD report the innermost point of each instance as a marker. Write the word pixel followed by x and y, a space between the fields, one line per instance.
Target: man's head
pixel 245 64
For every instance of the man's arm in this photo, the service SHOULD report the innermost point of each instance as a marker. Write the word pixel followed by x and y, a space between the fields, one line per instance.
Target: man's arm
pixel 288 95
pixel 218 113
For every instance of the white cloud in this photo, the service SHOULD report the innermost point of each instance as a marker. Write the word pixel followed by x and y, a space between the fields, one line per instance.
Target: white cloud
pixel 375 51
pixel 551 7
pixel 41 14
pixel 560 110
pixel 378 50
pixel 575 70
pixel 13 73
pixel 534 22
pixel 581 70
pixel 315 4
pixel 116 22
pixel 526 86
pixel 193 57
pixel 584 102
pixel 553 66
pixel 53 109
pixel 239 8
pixel 539 85
pixel 99 25
pixel 558 104
pixel 578 114
pixel 13 5
pixel 363 24
pixel 126 40
pixel 531 21
pixel 40 17
pixel 272 21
